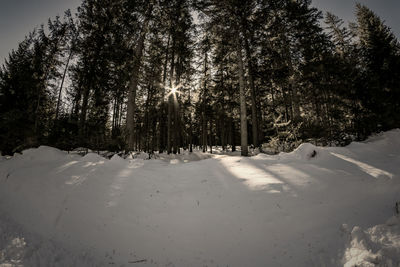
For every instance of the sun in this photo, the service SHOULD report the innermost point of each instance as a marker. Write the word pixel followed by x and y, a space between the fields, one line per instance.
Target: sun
pixel 174 90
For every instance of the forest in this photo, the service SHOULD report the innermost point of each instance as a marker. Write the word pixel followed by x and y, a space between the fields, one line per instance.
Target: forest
pixel 166 75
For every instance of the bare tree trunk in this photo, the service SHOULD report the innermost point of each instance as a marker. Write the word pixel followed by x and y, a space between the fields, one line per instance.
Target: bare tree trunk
pixel 177 117
pixel 147 120
pixel 171 100
pixel 243 113
pixel 204 131
pixel 232 134
pixel 210 137
pixel 82 118
pixel 223 129
pixel 221 111
pixel 176 126
pixel 169 126
pixel 254 119
pixel 295 106
pixel 203 115
pixel 114 117
pixel 62 83
pixel 233 141
pixel 133 84
pixel 76 101
pixel 162 134
pixel 190 127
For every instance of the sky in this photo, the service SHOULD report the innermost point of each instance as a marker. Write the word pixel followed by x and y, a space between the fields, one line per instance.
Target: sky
pixel 19 17
pixel 387 10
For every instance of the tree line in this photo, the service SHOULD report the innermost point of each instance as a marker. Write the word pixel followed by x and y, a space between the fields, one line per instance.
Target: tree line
pixel 162 75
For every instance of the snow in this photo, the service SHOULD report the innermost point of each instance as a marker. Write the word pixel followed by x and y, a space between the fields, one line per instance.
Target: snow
pixel 315 206
pixel 377 246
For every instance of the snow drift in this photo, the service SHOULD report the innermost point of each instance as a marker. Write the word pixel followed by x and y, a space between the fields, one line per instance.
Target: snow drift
pixel 305 208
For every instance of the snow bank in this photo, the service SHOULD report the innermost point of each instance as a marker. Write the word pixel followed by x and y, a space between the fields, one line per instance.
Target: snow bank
pixel 43 153
pixel 92 157
pixel 305 151
pixel 181 210
pixel 117 159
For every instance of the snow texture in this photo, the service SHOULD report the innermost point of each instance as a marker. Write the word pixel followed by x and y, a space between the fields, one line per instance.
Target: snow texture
pixel 315 206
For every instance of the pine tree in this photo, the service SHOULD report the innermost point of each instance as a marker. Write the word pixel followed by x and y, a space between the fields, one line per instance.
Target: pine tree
pixel 143 76
pixel 26 91
pixel 379 50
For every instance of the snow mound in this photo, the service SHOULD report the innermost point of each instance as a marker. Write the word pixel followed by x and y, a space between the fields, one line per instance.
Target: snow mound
pixel 377 246
pixel 43 153
pixel 305 151
pixel 92 157
pixel 117 159
pixel 141 155
pixel 184 157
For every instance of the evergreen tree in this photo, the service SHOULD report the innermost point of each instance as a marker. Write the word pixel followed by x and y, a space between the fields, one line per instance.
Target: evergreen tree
pixel 379 50
pixel 143 76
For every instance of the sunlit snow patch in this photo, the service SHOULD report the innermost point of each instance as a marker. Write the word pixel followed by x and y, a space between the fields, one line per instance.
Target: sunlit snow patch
pixel 76 180
pixel 254 178
pixel 374 172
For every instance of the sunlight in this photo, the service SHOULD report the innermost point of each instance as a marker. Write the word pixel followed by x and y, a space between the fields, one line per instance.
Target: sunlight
pixel 76 180
pixel 374 172
pixel 118 184
pixel 252 177
pixel 174 90
pixel 291 175
pixel 66 166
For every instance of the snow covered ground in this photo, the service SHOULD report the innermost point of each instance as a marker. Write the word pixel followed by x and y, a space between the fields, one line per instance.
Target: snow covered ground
pixel 312 207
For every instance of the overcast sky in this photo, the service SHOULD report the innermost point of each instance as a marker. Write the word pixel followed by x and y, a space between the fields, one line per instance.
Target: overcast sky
pixel 19 17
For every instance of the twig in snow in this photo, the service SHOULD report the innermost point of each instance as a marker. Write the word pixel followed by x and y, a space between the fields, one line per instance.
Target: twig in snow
pixel 139 261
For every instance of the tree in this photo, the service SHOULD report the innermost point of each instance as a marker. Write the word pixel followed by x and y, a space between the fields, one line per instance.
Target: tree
pixel 146 75
pixel 379 50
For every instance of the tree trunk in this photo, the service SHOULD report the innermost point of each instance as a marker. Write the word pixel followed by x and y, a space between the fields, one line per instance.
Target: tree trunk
pixel 295 106
pixel 254 120
pixel 171 101
pixel 233 141
pixel 147 120
pixel 162 133
pixel 190 126
pixel 204 129
pixel 203 115
pixel 243 113
pixel 82 118
pixel 133 84
pixel 223 130
pixel 177 117
pixel 210 137
pixel 176 126
pixel 62 83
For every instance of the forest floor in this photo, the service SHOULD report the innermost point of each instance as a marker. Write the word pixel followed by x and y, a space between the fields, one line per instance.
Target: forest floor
pixel 313 207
